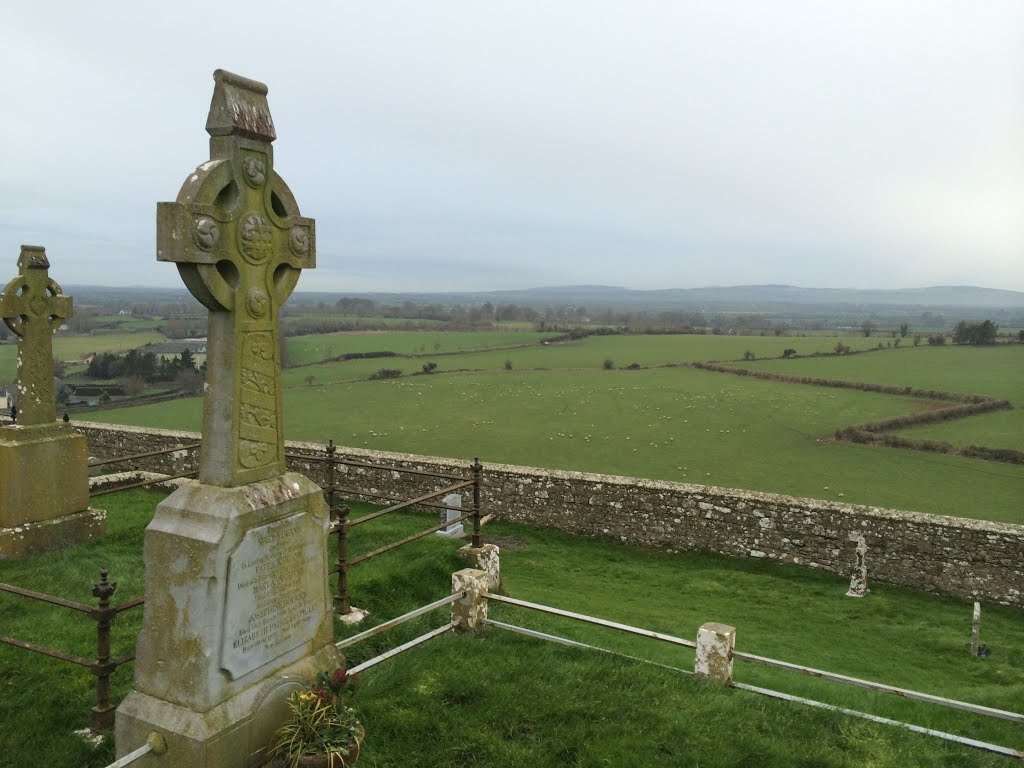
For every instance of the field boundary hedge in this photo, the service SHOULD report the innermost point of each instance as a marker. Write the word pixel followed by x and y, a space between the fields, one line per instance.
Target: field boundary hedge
pixel 877 432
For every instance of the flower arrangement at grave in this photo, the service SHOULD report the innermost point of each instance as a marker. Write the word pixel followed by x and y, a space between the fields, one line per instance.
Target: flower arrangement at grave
pixel 323 730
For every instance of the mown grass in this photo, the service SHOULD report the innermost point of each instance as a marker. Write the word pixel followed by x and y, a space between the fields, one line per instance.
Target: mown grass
pixel 504 700
pixel 534 703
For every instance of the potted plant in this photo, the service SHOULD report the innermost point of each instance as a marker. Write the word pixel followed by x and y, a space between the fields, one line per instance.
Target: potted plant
pixel 323 730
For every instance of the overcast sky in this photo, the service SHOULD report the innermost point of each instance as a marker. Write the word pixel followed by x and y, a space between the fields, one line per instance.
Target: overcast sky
pixel 474 145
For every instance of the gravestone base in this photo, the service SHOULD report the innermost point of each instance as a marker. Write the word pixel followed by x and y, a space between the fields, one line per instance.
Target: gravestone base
pixel 27 539
pixel 233 733
pixel 238 615
pixel 45 482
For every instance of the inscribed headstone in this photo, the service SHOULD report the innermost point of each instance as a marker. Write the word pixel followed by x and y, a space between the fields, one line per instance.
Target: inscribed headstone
pixel 237 602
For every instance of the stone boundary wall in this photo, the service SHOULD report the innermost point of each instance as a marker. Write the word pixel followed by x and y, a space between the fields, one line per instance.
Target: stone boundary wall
pixel 968 559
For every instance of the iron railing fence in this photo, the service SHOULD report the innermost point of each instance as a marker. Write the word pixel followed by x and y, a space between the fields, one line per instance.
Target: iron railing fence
pixel 102 715
pixel 342 526
pixel 134 458
pixel 103 665
pixel 775 663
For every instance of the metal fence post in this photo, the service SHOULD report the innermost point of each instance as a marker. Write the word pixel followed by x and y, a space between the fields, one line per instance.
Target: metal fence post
pixel 342 605
pixel 331 448
pixel 478 470
pixel 102 717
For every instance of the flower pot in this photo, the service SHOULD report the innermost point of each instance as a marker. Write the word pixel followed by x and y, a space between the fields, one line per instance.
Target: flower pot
pixel 333 761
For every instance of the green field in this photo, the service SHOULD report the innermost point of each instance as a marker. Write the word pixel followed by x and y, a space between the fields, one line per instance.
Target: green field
pixel 589 353
pixel 311 349
pixel 1003 429
pixel 71 348
pixel 676 424
pixel 994 371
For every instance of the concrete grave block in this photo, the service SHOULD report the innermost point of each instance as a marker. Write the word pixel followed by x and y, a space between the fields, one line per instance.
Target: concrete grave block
pixel 714 652
pixel 470 612
pixel 486 558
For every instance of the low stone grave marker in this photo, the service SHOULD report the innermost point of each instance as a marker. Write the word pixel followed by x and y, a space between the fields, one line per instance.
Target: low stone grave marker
pixel 453 502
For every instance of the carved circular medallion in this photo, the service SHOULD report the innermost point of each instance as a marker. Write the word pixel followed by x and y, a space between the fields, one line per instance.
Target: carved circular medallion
pixel 299 241
pixel 256 303
pixel 205 232
pixel 255 238
pixel 254 170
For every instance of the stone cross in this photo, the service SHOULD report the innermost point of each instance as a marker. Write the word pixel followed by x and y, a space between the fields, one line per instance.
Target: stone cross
pixel 239 242
pixel 33 307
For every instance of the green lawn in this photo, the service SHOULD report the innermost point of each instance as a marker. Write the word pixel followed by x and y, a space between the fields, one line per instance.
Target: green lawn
pixel 504 700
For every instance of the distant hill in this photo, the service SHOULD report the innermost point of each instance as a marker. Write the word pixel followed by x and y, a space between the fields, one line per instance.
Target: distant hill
pixel 748 297
pixel 776 300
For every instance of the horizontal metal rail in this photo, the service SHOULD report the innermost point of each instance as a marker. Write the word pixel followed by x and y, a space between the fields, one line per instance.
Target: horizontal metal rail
pixel 146 455
pixel 407 539
pixel 304 457
pixel 983 745
pixel 115 663
pixel 131 757
pixel 408 503
pixel 381 467
pixel 129 605
pixel 347 491
pixel 400 619
pixel 593 620
pixel 884 720
pixel 405 470
pixel 399 649
pixel 140 483
pixel 577 644
pixel 47 651
pixel 41 596
pixel 964 706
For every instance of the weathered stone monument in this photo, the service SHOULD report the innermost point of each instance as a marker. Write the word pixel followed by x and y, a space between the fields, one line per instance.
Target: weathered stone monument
pixel 859 578
pixel 238 612
pixel 44 477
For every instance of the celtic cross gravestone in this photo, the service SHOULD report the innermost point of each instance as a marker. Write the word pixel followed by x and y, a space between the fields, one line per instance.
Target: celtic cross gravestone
pixel 33 307
pixel 238 612
pixel 44 481
pixel 239 242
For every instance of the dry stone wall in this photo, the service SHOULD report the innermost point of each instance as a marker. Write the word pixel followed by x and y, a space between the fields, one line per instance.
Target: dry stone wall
pixel 969 559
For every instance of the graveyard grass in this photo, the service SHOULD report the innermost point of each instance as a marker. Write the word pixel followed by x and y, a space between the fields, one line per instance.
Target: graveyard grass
pixel 558 408
pixel 504 700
